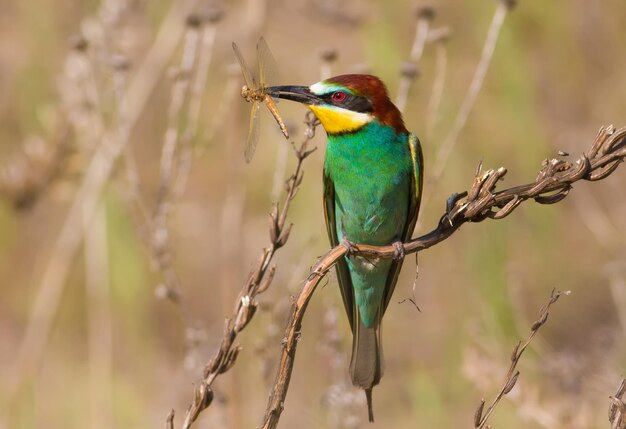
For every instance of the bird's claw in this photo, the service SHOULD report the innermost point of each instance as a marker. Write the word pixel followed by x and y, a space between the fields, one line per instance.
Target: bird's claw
pixel 349 245
pixel 399 252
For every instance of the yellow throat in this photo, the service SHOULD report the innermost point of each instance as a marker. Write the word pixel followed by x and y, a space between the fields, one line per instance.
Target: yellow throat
pixel 336 120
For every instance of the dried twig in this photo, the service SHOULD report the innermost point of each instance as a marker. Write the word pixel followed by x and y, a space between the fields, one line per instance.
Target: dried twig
pixel 617 409
pixel 504 6
pixel 439 37
pixel 86 200
pixel 25 177
pixel 259 280
pixel 409 69
pixel 479 203
pixel 181 83
pixel 480 418
pixel 198 85
pixel 327 56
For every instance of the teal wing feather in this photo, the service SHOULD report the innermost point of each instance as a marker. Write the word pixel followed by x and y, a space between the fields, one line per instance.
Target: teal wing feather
pixel 414 199
pixel 343 273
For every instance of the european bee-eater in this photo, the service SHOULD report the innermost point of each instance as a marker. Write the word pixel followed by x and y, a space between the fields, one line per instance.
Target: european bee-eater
pixel 372 188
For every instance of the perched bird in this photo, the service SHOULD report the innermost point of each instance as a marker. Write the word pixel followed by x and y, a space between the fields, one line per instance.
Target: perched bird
pixel 372 188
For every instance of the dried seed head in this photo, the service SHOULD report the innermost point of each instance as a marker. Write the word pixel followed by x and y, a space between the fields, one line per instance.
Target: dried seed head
pixel 230 359
pixel 510 4
pixel 267 280
pixel 425 12
pixel 511 383
pixel 214 363
pixel 78 43
pixel 478 415
pixel 193 20
pixel 539 322
pixel 284 236
pixel 328 54
pixel 514 353
pixel 207 397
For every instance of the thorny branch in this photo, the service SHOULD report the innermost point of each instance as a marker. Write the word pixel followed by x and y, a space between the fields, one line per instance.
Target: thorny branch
pixel 258 282
pixel 552 185
pixel 480 418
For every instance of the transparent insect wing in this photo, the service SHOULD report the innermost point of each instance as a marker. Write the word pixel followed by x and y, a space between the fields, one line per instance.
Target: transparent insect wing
pixel 253 131
pixel 244 68
pixel 267 64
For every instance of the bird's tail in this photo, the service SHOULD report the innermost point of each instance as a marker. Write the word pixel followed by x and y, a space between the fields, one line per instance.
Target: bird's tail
pixel 366 364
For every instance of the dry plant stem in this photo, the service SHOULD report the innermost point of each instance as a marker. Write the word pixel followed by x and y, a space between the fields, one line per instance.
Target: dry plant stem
pixel 99 319
pixel 159 234
pixel 178 95
pixel 470 98
pixel 479 203
pixel 436 93
pixel 180 87
pixel 480 418
pixel 258 281
pixel 86 200
pixel 327 57
pixel 617 409
pixel 198 86
pixel 404 87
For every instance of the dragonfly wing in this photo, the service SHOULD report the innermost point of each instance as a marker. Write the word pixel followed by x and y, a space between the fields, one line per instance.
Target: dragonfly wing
pixel 253 131
pixel 244 67
pixel 267 63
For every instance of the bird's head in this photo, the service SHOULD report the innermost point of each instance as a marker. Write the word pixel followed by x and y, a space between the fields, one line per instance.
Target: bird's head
pixel 346 103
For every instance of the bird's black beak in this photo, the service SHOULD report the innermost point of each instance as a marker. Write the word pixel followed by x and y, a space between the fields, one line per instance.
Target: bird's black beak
pixel 301 94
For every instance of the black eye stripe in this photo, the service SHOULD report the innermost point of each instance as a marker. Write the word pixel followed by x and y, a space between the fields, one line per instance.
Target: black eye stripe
pixel 356 103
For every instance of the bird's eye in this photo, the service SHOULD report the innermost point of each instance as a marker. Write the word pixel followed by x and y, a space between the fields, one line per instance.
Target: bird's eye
pixel 339 96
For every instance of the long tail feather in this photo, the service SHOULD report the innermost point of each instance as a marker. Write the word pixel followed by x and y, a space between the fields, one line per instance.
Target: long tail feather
pixel 366 364
pixel 370 409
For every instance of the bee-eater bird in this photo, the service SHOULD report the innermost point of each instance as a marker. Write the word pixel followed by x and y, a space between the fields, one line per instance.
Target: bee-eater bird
pixel 372 188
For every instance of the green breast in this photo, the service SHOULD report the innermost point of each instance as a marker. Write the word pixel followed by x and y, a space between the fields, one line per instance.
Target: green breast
pixel 371 171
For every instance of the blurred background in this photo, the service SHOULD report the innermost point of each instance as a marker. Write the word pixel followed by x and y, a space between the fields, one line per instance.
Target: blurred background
pixel 129 220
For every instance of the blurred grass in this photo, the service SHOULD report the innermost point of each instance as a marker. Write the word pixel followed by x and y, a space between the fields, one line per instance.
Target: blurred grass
pixel 552 83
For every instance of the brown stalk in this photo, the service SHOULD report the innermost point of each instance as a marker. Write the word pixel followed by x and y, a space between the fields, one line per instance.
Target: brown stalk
pixel 258 281
pixel 439 38
pixel 617 409
pixel 479 203
pixel 409 70
pixel 85 203
pixel 445 150
pixel 480 419
pixel 99 319
pixel 181 82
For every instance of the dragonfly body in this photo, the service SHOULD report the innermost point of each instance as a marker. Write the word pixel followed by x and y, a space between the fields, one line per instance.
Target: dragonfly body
pixel 256 92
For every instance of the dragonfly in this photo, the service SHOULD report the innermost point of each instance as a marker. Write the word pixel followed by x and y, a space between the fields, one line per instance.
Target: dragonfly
pixel 256 92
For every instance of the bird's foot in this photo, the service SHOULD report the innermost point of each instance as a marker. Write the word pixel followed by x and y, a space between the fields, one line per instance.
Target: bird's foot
pixel 399 252
pixel 349 245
